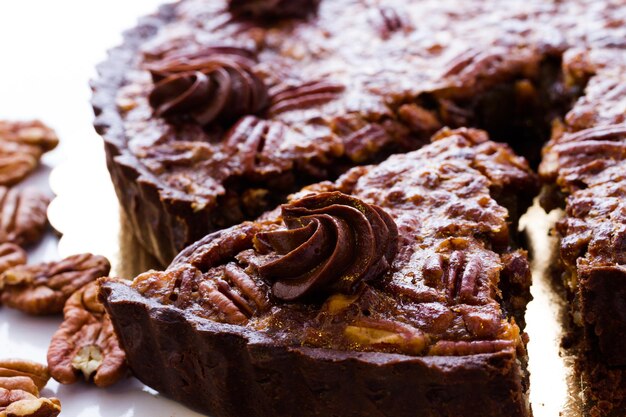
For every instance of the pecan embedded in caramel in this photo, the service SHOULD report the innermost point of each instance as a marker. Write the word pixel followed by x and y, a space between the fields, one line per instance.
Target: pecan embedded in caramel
pixel 10 255
pixel 44 288
pixel 386 334
pixel 255 144
pixel 365 142
pixel 389 20
pixel 21 146
pixel 85 343
pixel 309 94
pixel 22 215
pixel 10 368
pixel 228 294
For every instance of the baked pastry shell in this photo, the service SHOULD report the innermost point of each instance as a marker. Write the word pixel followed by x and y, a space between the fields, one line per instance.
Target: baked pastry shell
pixel 228 370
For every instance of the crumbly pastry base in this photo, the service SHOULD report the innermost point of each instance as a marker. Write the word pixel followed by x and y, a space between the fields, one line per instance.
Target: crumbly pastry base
pixel 285 381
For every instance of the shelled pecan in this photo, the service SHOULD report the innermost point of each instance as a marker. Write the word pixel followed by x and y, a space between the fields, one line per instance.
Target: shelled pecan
pixel 23 216
pixel 388 20
pixel 20 382
pixel 43 288
pixel 13 368
pixel 18 403
pixel 11 255
pixel 386 334
pixel 303 96
pixel 21 146
pixel 85 343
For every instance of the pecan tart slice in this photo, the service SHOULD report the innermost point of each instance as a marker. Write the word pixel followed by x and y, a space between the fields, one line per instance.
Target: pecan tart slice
pixel 388 292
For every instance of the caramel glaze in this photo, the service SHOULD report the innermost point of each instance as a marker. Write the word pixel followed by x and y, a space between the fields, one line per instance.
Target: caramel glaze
pixel 349 82
pixel 439 296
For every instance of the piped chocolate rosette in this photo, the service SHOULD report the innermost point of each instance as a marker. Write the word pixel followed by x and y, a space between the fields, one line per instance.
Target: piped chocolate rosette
pixel 332 241
pixel 217 83
pixel 322 244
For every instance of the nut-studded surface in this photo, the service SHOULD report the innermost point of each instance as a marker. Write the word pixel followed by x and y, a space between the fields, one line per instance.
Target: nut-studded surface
pixel 441 297
pixel 20 383
pixel 10 255
pixel 36 372
pixel 23 216
pixel 350 81
pixel 21 146
pixel 44 288
pixel 86 344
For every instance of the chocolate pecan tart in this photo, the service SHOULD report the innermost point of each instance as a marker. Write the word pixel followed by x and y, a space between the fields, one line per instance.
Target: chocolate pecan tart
pixel 214 111
pixel 394 291
pixel 584 166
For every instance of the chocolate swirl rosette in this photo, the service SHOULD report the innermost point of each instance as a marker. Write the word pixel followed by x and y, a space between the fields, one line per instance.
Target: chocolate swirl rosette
pixel 331 241
pixel 218 83
pixel 273 8
pixel 327 243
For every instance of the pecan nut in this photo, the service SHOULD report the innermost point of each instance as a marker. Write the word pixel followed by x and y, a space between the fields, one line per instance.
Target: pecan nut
pixel 21 146
pixel 11 255
pixel 13 368
pixel 310 94
pixel 85 343
pixel 23 216
pixel 20 382
pixel 18 403
pixel 44 288
pixel 386 335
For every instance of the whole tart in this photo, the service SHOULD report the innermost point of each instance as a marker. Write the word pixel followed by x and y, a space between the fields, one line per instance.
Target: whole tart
pixel 215 111
pixel 394 291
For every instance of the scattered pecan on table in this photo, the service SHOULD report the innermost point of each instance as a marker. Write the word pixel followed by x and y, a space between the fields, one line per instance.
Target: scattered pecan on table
pixel 44 288
pixel 20 383
pixel 21 146
pixel 85 343
pixel 23 216
pixel 11 255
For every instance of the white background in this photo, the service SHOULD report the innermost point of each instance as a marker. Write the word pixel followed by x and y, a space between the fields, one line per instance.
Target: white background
pixel 48 51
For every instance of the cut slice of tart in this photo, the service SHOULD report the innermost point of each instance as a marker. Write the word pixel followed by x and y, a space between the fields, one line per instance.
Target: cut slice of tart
pixel 396 290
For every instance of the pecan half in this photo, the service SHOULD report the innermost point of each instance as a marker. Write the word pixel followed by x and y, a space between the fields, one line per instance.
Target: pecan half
pixel 18 368
pixel 21 146
pixel 386 335
pixel 43 288
pixel 18 403
pixel 307 95
pixel 388 20
pixel 256 144
pixel 23 216
pixel 85 343
pixel 11 255
pixel 20 382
